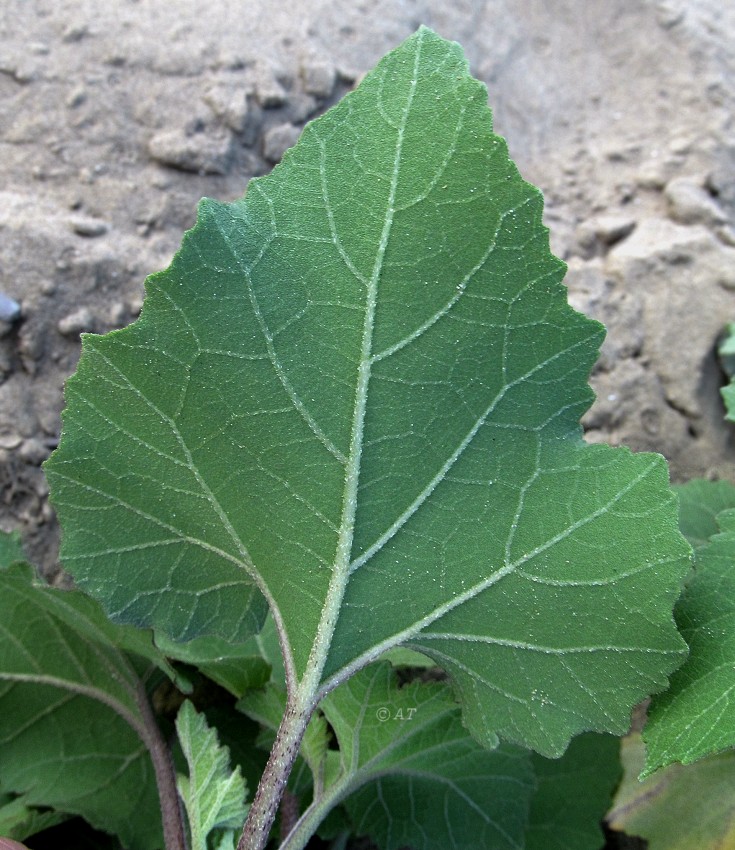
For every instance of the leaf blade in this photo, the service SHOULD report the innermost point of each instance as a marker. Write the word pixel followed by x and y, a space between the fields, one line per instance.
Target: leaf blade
pixel 370 383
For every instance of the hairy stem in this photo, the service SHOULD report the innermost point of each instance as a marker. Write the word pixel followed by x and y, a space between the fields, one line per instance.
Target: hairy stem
pixel 275 776
pixel 174 834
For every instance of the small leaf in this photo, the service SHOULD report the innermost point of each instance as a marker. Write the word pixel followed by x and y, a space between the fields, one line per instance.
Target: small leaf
pixel 68 710
pixel 411 775
pixel 573 794
pixel 358 389
pixel 700 501
pixel 696 715
pixel 235 667
pixel 11 548
pixel 213 794
pixel 726 352
pixel 19 820
pixel 679 808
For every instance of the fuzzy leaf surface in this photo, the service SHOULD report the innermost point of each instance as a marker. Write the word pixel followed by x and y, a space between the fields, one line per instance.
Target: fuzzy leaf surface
pixel 412 775
pixel 358 389
pixel 213 794
pixel 696 715
pixel 63 696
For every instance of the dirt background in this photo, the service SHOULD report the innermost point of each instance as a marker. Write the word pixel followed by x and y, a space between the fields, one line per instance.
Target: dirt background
pixel 116 117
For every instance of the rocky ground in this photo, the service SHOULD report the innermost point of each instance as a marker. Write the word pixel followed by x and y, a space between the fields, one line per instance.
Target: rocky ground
pixel 116 117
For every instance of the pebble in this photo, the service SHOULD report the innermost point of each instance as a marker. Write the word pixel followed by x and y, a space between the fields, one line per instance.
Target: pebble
pixel 74 33
pixel 199 153
pixel 278 140
pixel 269 93
pixel 230 105
pixel 301 106
pixel 9 309
pixel 690 203
pixel 318 79
pixel 86 226
pixel 601 232
pixel 79 321
pixel 33 451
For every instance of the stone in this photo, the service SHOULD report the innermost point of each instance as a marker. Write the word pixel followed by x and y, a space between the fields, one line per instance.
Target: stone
pixel 318 78
pixel 197 152
pixel 278 140
pixel 79 321
pixel 87 226
pixel 690 203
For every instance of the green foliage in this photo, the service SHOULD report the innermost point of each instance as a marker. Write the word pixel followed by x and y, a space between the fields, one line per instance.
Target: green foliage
pixel 70 719
pixel 695 717
pixel 572 793
pixel 213 794
pixel 358 389
pixel 353 399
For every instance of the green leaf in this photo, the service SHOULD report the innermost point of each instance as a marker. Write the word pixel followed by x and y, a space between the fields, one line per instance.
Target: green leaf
pixel 358 388
pixel 410 773
pixel 700 501
pixel 19 820
pixel 11 548
pixel 235 667
pixel 70 722
pixel 696 715
pixel 213 794
pixel 573 794
pixel 726 352
pixel 680 808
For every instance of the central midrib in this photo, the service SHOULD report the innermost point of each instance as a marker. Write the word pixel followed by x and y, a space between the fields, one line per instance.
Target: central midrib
pixel 340 574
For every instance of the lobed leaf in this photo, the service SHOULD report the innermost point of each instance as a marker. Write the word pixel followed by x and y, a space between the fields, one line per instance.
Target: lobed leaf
pixel 213 794
pixel 358 390
pixel 696 715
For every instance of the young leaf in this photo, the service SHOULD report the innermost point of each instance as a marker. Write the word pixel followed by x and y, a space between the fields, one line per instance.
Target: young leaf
pixel 700 502
pixel 358 389
pixel 573 795
pixel 235 667
pixel 71 729
pixel 696 715
pixel 18 820
pixel 11 549
pixel 213 794
pixel 726 352
pixel 679 808
pixel 411 775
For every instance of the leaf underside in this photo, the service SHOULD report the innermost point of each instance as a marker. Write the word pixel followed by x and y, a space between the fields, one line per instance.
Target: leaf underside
pixel 357 389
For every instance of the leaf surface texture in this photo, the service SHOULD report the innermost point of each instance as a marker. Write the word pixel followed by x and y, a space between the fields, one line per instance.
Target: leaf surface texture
pixel 357 391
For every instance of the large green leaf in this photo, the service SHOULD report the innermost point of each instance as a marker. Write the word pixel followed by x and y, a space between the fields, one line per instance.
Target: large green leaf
pixel 411 775
pixel 696 715
pixel 71 727
pixel 358 389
